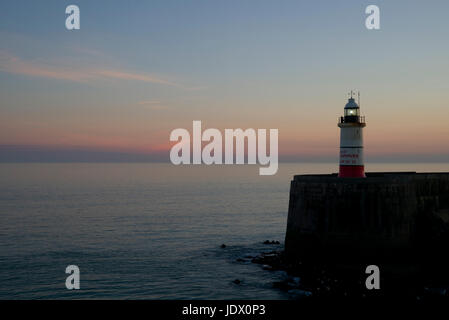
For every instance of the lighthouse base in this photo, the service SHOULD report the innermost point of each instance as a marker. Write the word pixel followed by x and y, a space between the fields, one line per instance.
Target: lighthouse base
pixel 351 172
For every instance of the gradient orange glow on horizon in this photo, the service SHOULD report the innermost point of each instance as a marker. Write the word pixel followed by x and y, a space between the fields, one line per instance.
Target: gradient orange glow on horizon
pixel 124 87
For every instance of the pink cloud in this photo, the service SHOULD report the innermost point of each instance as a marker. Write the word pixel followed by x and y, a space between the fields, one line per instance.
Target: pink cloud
pixel 114 74
pixel 14 65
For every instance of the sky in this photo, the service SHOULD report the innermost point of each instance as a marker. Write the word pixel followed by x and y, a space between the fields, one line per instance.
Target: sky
pixel 136 70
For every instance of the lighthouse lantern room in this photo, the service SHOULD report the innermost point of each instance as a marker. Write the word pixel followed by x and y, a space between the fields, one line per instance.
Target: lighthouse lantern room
pixel 351 141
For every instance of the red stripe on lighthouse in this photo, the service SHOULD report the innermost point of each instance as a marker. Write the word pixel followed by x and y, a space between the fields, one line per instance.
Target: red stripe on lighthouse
pixel 352 172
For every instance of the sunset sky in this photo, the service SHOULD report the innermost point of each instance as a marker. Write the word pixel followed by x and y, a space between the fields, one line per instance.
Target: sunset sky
pixel 136 70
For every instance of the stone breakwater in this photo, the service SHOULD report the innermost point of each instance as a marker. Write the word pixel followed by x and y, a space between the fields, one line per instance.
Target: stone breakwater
pixel 398 221
pixel 391 216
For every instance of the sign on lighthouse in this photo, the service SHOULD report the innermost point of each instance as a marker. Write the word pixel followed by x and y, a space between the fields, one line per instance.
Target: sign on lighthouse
pixel 351 141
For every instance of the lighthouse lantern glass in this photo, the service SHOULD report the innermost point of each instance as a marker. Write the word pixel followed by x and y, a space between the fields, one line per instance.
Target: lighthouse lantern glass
pixel 351 112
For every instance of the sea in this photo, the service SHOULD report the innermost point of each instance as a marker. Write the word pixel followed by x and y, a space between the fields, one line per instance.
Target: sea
pixel 147 230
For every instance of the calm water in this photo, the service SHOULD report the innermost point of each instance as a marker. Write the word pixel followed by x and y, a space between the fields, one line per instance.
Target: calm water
pixel 145 231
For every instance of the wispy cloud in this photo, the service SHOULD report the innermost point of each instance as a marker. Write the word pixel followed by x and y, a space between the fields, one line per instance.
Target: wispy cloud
pixel 88 51
pixel 152 104
pixel 14 65
pixel 114 74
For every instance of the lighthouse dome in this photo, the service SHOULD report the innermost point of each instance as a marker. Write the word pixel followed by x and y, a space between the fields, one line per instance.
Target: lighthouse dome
pixel 351 104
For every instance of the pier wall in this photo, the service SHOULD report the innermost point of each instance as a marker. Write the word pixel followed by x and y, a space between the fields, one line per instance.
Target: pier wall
pixel 383 216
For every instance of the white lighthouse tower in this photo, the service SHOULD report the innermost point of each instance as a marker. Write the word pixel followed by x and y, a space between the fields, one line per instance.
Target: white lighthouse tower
pixel 351 141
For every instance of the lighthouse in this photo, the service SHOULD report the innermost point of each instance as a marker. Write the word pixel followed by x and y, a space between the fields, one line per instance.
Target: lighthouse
pixel 351 141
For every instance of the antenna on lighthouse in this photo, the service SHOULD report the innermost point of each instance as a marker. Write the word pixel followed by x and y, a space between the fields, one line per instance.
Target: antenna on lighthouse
pixel 358 98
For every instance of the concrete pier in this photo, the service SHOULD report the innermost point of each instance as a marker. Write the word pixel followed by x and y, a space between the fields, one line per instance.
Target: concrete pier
pixel 386 216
